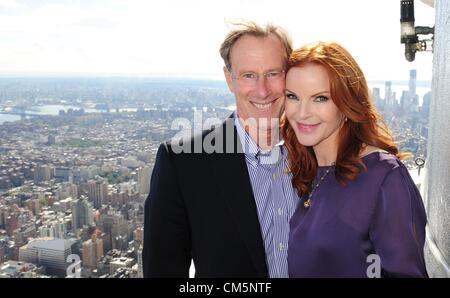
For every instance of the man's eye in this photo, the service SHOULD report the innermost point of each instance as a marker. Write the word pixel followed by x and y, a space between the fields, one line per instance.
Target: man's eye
pixel 249 76
pixel 272 74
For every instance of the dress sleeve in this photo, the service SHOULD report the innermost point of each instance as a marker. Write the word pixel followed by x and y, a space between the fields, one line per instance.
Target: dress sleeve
pixel 398 226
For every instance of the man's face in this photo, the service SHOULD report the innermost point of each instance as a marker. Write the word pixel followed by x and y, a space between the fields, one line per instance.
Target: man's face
pixel 262 99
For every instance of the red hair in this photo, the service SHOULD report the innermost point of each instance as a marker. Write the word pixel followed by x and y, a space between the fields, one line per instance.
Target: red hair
pixel 350 93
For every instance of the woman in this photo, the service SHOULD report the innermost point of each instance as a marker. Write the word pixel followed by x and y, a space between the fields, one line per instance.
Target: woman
pixel 359 207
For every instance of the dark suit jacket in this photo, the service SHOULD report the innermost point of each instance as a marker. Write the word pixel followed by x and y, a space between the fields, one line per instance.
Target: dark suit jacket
pixel 201 207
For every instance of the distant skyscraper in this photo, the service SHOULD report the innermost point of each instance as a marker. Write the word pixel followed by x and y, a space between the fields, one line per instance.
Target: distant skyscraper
pixel 98 192
pixel 46 231
pixel 82 213
pixel 376 94
pixel 92 251
pixel 2 251
pixel 11 224
pixel 426 104
pixel 376 97
pixel 140 265
pixel 412 82
pixel 144 180
pixel 56 229
pixel 138 235
pixel 43 173
pixel 106 240
pixel 116 226
pixel 388 93
pixel 404 101
pixel 414 98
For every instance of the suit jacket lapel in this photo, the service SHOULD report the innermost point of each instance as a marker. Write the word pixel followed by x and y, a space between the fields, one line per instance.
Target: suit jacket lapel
pixel 230 170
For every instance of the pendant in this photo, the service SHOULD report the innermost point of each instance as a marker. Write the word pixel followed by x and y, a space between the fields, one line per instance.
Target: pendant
pixel 307 203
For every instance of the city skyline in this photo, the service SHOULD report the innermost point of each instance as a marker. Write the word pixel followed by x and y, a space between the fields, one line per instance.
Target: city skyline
pixel 101 38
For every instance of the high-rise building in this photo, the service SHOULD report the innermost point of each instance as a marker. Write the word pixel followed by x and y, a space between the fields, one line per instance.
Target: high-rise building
pixel 46 231
pixel 405 101
pixel 394 102
pixel 117 227
pixel 426 104
pixel 98 191
pixel 2 251
pixel 43 173
pixel 139 235
pixel 144 180
pixel 376 97
pixel 82 213
pixel 92 251
pixel 388 94
pixel 11 224
pixel 106 240
pixel 34 206
pixel 55 229
pixel 376 94
pixel 139 260
pixel 414 98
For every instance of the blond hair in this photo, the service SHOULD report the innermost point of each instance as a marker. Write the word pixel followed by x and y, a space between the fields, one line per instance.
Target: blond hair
pixel 253 29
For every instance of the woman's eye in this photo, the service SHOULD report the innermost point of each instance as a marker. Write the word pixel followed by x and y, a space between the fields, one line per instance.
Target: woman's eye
pixel 291 96
pixel 321 98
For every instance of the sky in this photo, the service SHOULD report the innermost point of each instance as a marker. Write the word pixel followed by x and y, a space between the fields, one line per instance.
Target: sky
pixel 182 37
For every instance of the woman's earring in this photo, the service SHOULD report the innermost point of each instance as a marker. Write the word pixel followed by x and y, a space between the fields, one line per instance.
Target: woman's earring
pixel 345 119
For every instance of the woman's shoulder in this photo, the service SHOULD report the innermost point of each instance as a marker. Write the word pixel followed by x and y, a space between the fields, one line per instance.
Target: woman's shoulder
pixel 380 161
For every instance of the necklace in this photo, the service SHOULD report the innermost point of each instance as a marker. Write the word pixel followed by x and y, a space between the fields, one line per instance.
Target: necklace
pixel 308 202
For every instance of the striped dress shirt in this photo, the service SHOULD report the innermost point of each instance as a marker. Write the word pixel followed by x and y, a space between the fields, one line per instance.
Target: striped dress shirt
pixel 276 198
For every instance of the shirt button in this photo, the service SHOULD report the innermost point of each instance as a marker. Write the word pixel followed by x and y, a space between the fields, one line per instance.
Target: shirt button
pixel 281 246
pixel 280 211
pixel 274 176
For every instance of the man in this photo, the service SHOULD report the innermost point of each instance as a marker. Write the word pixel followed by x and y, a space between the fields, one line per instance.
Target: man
pixel 228 210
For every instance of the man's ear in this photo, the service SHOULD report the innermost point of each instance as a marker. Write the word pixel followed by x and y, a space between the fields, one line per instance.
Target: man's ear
pixel 228 79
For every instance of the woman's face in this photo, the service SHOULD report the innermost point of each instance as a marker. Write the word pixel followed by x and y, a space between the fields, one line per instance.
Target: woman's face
pixel 309 108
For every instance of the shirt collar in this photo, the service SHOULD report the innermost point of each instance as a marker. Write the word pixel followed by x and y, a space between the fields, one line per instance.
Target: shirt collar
pixel 250 148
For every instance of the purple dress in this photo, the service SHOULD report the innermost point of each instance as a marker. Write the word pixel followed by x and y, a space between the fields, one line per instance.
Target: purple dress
pixel 381 212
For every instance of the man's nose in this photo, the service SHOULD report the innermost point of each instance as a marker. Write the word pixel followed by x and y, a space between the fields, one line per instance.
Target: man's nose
pixel 262 87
